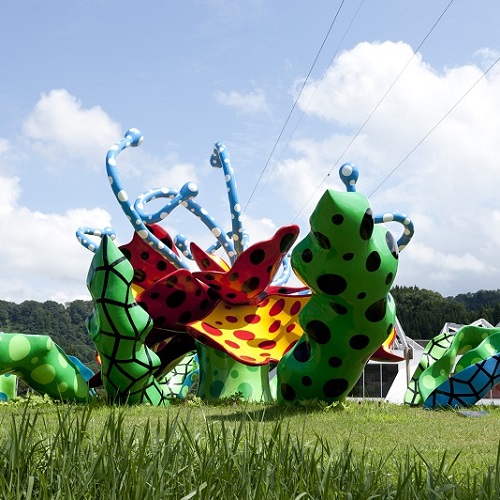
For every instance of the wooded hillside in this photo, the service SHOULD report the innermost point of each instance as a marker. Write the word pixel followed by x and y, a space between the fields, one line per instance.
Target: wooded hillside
pixel 422 314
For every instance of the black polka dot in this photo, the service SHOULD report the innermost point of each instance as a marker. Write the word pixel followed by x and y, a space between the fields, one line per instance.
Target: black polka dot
pixel 348 256
pixel 145 255
pixel 307 255
pixel 376 312
pixel 185 317
pixel 159 320
pixel 318 331
pixel 359 342
pixel 198 292
pixel 215 286
pixel 307 381
pixel 367 225
pixel 335 387
pixel 233 277
pixel 209 277
pixel 361 295
pixel 139 275
pixel 388 279
pixel 126 253
pixel 212 294
pixel 389 329
pixel 154 295
pixel 168 241
pixel 205 263
pixel 204 304
pixel 338 308
pixel 269 268
pixel 391 243
pixel 335 362
pixel 373 262
pixel 337 219
pixel 302 352
pixel 250 284
pixel 323 240
pixel 231 295
pixel 286 242
pixel 172 281
pixel 332 284
pixel 257 256
pixel 143 305
pixel 175 299
pixel 161 265
pixel 287 392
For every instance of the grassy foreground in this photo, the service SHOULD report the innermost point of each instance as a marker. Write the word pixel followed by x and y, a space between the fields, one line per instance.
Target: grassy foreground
pixel 246 451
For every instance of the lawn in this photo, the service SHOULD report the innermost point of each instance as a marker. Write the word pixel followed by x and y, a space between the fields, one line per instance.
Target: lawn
pixel 238 450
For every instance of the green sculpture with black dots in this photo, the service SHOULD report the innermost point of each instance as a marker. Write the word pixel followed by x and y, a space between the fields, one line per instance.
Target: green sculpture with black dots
pixel 349 263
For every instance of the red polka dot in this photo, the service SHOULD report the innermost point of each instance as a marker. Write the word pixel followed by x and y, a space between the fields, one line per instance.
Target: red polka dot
pixel 289 328
pixel 247 358
pixel 227 306
pixel 211 329
pixel 267 344
pixel 277 307
pixel 264 302
pixel 252 318
pixel 232 344
pixel 295 308
pixel 275 326
pixel 265 355
pixel 243 335
pixel 231 319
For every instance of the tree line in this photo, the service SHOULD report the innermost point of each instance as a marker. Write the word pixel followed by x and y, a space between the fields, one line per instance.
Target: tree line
pixel 422 313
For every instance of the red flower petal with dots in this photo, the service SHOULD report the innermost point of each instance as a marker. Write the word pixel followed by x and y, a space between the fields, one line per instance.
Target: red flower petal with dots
pixel 253 270
pixel 149 266
pixel 176 300
pixel 207 262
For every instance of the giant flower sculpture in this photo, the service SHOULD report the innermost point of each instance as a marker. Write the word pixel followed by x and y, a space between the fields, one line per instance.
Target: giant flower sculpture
pixel 240 312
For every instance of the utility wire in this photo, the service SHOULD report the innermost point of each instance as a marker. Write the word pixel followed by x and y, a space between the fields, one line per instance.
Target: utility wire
pixel 375 108
pixel 294 104
pixel 310 100
pixel 434 127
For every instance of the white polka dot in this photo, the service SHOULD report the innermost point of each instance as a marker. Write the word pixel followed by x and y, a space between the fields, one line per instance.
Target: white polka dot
pixel 161 245
pixel 122 195
pixel 110 180
pixel 388 217
pixel 228 178
pixel 216 232
pixel 143 233
pixel 112 162
pixel 347 170
pixel 183 203
pixel 236 237
pixel 237 207
pixel 203 211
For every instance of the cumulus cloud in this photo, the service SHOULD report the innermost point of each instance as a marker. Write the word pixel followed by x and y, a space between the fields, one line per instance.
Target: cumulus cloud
pixel 60 130
pixel 249 103
pixel 445 185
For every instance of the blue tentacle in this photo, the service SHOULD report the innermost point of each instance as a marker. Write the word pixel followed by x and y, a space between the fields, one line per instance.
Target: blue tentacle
pixel 220 159
pixel 133 137
pixel 91 231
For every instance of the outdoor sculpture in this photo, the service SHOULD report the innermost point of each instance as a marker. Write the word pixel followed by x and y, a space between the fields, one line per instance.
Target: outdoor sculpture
pixel 151 309
pixel 442 379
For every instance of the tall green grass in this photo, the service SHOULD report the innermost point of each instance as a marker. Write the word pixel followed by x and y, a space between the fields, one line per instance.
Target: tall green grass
pixel 233 452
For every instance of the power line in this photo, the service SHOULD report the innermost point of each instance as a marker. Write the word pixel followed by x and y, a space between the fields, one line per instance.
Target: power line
pixel 294 104
pixel 434 127
pixel 375 108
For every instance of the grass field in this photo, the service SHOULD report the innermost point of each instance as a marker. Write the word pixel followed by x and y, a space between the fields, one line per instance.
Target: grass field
pixel 244 451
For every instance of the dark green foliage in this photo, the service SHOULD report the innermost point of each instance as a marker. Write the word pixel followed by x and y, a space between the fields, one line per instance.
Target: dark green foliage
pixel 65 323
pixel 423 313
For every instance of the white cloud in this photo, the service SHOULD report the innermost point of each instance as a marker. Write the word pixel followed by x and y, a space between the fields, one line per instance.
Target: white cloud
pixel 249 103
pixel 447 185
pixel 42 259
pixel 62 130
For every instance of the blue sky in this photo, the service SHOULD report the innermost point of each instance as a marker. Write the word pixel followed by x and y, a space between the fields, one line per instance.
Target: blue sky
pixel 77 74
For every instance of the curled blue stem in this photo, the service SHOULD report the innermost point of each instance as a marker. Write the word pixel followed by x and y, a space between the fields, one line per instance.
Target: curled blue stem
pixel 220 159
pixel 408 228
pixel 133 137
pixel 81 233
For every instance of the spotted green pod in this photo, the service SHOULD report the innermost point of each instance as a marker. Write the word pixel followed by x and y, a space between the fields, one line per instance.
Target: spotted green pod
pixel 349 263
pixel 43 365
